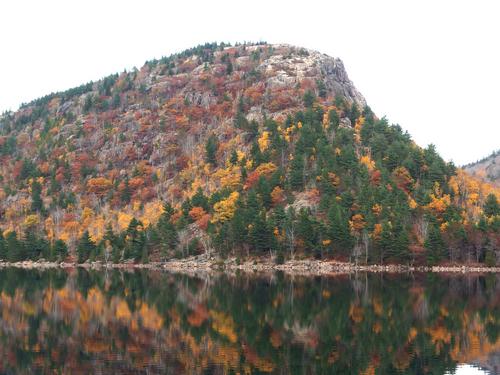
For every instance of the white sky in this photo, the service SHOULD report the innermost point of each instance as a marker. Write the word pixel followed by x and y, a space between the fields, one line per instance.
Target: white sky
pixel 431 66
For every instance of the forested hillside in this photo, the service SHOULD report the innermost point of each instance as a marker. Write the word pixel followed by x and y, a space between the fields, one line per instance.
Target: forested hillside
pixel 251 150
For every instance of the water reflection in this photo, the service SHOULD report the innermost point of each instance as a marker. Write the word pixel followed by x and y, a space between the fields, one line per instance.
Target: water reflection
pixel 153 322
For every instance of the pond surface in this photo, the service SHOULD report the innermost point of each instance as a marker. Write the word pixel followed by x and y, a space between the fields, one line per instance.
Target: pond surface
pixel 82 322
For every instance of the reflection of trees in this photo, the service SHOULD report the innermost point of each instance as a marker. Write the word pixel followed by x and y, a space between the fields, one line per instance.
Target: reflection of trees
pixel 126 322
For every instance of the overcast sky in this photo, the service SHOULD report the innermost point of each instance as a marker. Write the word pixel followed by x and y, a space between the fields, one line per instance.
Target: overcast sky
pixel 431 66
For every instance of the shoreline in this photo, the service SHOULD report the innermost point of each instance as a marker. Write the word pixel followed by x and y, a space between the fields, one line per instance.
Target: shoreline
pixel 303 267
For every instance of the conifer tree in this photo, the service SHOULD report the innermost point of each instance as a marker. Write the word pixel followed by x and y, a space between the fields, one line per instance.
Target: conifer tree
pixel 15 248
pixel 85 247
pixel 59 249
pixel 338 228
pixel 491 206
pixel 296 176
pixel 434 244
pixel 36 199
pixel 166 231
pixel 211 150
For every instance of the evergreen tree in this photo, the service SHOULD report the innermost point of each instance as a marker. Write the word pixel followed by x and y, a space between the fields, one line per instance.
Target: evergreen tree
pixel 200 200
pixel 36 198
pixel 234 158
pixel 338 228
pixel 307 231
pixel 259 233
pixel 296 177
pixel 334 119
pixel 309 99
pixel 434 244
pixel 491 206
pixel 211 150
pixel 166 231
pixel 59 249
pixel 264 192
pixel 135 240
pixel 15 248
pixel 85 247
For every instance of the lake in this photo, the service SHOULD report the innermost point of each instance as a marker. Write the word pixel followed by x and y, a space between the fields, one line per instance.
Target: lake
pixel 148 322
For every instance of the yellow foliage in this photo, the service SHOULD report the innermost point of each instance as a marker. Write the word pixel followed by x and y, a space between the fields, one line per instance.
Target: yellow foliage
pixel 49 228
pixel 224 210
pixel 229 177
pixel 124 220
pixel 412 203
pixel 368 162
pixel 376 209
pixel 264 141
pixel 97 228
pixel 357 223
pixel 439 204
pixel 152 212
pixel 266 169
pixel 31 220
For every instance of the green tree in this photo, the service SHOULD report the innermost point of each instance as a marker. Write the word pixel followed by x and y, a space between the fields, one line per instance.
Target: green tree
pixel 211 150
pixel 59 249
pixel 135 240
pixel 338 229
pixel 309 99
pixel 36 197
pixel 85 247
pixel 491 206
pixel 434 244
pixel 15 248
pixel 296 176
pixel 166 231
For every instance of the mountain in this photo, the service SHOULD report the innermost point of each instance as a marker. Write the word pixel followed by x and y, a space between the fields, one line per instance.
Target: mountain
pixel 239 150
pixel 487 169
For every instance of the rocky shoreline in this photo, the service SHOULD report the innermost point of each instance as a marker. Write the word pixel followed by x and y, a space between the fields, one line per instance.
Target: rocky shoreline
pixel 305 267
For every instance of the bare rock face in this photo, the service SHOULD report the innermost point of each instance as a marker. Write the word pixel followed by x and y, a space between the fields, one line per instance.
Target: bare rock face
pixel 487 169
pixel 290 66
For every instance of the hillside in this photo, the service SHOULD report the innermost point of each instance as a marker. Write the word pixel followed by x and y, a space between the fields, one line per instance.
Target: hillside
pixel 245 150
pixel 487 169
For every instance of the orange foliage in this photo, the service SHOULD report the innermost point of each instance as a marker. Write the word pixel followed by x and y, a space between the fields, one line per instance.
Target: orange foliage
pixel 99 186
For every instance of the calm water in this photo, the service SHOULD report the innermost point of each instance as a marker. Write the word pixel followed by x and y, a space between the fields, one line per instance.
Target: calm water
pixel 152 322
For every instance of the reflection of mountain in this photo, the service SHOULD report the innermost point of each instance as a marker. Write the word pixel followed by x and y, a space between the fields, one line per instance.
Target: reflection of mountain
pixel 161 323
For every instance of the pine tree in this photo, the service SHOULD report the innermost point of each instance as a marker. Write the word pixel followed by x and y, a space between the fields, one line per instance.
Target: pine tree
pixel 59 249
pixel 491 206
pixel 15 248
pixel 338 228
pixel 309 99
pixel 135 240
pixel 296 176
pixel 434 244
pixel 166 231
pixel 36 199
pixel 211 150
pixel 259 233
pixel 85 247
pixel 306 230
